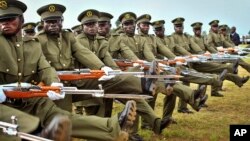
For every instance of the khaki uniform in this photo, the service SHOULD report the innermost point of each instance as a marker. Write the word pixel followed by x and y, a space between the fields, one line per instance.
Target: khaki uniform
pixel 216 40
pixel 99 46
pixel 32 67
pixel 22 60
pixel 118 49
pixel 201 42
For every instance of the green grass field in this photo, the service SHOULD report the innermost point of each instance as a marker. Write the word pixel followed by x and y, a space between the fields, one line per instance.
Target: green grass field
pixel 211 123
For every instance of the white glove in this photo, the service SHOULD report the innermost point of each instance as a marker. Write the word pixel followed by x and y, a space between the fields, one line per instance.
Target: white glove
pixel 56 96
pixel 106 69
pixel 2 95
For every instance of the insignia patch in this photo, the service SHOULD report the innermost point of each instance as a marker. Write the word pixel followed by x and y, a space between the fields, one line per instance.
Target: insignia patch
pixel 30 26
pixel 127 16
pixel 89 14
pixel 147 16
pixel 52 8
pixel 3 5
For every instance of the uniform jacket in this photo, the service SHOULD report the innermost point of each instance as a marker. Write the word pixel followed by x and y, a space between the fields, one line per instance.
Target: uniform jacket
pixel 100 47
pixel 62 51
pixel 183 44
pixel 199 42
pixel 139 46
pixel 157 47
pixel 22 60
pixel 118 49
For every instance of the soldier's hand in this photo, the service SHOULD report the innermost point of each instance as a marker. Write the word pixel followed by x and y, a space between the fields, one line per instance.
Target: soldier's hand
pixel 106 69
pixel 2 95
pixel 56 96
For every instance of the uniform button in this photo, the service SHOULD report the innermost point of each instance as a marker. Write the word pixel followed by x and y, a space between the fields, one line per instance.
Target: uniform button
pixel 19 74
pixel 18 45
pixel 59 43
pixel 7 70
pixel 60 55
pixel 49 61
pixel 33 71
pixel 18 60
pixel 64 65
pixel 136 43
pixel 32 81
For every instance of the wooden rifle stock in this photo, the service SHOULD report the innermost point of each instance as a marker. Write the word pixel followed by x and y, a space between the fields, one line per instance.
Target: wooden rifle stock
pixel 34 91
pixel 92 74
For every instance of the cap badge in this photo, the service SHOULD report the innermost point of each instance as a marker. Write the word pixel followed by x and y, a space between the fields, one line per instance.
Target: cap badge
pixel 30 26
pixel 52 8
pixel 3 5
pixel 89 14
pixel 127 16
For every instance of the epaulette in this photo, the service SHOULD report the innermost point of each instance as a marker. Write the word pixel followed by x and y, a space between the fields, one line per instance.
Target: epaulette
pixel 99 37
pixel 67 30
pixel 115 34
pixel 151 35
pixel 186 34
pixel 29 38
pixel 169 36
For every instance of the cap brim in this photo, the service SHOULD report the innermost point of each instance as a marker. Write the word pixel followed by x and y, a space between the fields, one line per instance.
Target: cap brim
pixel 53 18
pixel 7 16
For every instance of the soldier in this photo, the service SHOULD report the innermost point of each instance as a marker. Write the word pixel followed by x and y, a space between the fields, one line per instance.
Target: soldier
pixel 77 29
pixel 99 45
pixel 216 40
pixel 116 48
pixel 23 61
pixel 29 29
pixel 142 49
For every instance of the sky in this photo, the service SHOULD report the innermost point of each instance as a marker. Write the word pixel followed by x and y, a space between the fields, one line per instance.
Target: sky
pixel 230 12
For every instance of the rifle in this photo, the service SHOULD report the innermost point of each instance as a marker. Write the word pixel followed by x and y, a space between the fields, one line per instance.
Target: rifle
pixel 97 74
pixel 41 91
pixel 12 130
pixel 124 64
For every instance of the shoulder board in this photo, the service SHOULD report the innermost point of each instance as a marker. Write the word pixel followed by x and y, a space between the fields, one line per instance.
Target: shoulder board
pixel 151 35
pixel 99 37
pixel 168 36
pixel 67 30
pixel 27 39
pixel 115 34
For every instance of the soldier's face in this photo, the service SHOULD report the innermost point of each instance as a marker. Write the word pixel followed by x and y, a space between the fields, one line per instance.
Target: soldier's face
pixel 129 27
pixel 197 31
pixel 10 26
pixel 90 28
pixel 144 27
pixel 103 28
pixel 179 29
pixel 53 26
pixel 215 28
pixel 159 32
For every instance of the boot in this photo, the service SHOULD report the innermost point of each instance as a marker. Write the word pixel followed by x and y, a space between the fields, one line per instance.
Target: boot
pixel 59 129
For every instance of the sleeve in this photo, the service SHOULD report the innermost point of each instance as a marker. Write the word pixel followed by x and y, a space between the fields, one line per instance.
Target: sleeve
pixel 126 52
pixel 195 47
pixel 47 74
pixel 147 52
pixel 163 50
pixel 85 56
